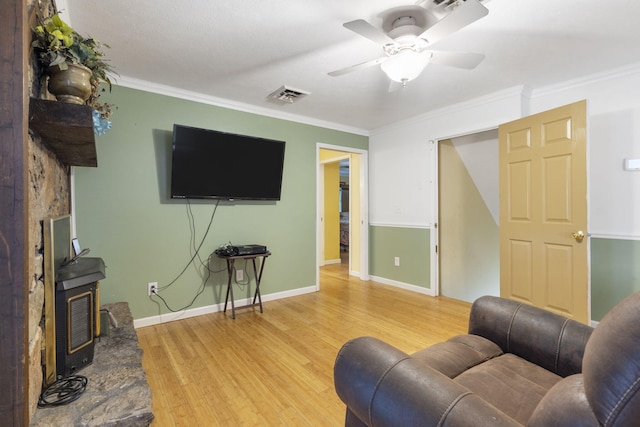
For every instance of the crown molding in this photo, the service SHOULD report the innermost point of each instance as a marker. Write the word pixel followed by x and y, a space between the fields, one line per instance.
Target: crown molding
pixel 456 108
pixel 525 92
pixel 590 79
pixel 174 92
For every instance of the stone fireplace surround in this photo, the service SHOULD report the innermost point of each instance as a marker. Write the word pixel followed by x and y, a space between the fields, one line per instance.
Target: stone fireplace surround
pixel 49 195
pixel 117 392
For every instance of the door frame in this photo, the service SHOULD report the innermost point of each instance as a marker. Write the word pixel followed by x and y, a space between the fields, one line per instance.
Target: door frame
pixel 435 232
pixel 435 261
pixel 362 221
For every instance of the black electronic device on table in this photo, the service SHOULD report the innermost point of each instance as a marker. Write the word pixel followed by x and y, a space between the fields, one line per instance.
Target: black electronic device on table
pixel 250 249
pixel 241 250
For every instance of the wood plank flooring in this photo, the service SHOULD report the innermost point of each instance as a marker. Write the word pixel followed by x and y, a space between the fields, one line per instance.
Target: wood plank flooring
pixel 276 368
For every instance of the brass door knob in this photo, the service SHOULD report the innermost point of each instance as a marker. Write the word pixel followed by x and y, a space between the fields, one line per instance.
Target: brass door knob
pixel 578 235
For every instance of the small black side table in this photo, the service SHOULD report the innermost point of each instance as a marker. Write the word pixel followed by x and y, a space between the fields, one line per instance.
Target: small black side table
pixel 258 275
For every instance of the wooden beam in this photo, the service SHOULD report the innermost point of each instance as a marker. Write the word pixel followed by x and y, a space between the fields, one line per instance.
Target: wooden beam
pixel 13 214
pixel 67 129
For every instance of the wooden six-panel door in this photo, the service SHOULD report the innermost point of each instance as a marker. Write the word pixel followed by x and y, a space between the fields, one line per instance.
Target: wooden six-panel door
pixel 543 211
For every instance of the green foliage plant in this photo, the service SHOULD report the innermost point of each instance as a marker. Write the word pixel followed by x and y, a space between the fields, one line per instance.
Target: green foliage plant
pixel 57 44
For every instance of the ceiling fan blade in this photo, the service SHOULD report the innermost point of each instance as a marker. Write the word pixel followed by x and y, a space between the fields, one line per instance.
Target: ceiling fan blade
pixel 358 67
pixel 367 30
pixel 467 12
pixel 468 61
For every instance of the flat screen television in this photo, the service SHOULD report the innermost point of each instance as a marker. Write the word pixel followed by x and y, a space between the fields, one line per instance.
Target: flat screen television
pixel 209 164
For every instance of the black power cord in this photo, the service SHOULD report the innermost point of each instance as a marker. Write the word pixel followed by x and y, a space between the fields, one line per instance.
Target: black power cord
pixel 198 293
pixel 196 254
pixel 63 391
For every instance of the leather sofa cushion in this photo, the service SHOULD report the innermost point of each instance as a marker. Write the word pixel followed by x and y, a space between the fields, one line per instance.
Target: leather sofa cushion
pixel 553 408
pixel 458 354
pixel 510 383
pixel 544 338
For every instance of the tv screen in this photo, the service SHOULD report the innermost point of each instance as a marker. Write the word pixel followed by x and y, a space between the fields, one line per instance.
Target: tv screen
pixel 209 164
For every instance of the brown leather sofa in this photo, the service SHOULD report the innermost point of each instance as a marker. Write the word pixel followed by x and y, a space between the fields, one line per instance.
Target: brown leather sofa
pixel 518 365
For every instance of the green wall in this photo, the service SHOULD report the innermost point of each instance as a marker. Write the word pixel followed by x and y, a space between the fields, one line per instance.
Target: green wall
pixel 615 264
pixel 615 273
pixel 410 244
pixel 124 215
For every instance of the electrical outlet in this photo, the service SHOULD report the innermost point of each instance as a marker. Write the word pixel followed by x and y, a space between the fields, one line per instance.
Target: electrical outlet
pixel 239 275
pixel 396 261
pixel 152 288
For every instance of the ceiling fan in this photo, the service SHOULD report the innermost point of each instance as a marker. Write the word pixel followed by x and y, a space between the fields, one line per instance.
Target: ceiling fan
pixel 406 38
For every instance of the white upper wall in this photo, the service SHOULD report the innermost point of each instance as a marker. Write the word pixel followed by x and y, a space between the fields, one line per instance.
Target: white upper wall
pixel 479 153
pixel 402 160
pixel 402 157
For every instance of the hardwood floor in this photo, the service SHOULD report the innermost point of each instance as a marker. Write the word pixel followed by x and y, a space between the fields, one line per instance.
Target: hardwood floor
pixel 276 368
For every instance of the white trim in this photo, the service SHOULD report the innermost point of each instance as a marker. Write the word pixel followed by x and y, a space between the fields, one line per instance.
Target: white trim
pixel 174 92
pixel 215 308
pixel 603 235
pixel 364 208
pixel 468 133
pixel 594 323
pixel 525 92
pixel 332 261
pixel 587 80
pixel 435 236
pixel 451 110
pixel 335 159
pixel 434 244
pixel 72 193
pixel 402 285
pixel 364 214
pixel 588 203
pixel 386 224
pixel 319 217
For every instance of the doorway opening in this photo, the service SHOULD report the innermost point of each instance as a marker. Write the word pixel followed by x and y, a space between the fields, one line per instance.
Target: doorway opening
pixel 342 214
pixel 468 216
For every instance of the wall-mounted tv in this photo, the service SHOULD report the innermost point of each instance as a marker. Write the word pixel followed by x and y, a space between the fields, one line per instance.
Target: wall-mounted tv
pixel 208 164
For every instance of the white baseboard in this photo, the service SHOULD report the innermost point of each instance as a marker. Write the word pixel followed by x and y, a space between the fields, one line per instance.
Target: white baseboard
pixel 402 285
pixel 170 317
pixel 332 261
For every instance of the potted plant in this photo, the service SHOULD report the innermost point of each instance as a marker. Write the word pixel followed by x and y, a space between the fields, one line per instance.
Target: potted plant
pixel 67 56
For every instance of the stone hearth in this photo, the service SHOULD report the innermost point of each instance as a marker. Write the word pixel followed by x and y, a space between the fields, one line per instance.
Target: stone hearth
pixel 117 392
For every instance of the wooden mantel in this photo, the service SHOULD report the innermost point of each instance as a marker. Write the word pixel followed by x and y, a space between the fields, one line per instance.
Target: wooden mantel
pixel 66 128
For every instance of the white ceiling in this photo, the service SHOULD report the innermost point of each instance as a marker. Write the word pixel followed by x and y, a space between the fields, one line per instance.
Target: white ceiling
pixel 242 50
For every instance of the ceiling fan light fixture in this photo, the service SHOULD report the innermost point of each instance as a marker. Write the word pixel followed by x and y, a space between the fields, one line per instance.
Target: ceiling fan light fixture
pixel 405 65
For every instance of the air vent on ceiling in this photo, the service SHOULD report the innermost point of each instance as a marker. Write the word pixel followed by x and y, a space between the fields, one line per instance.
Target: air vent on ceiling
pixel 288 94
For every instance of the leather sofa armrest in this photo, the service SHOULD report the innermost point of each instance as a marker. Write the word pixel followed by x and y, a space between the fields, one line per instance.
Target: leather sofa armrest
pixel 383 386
pixel 546 339
pixel 565 404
